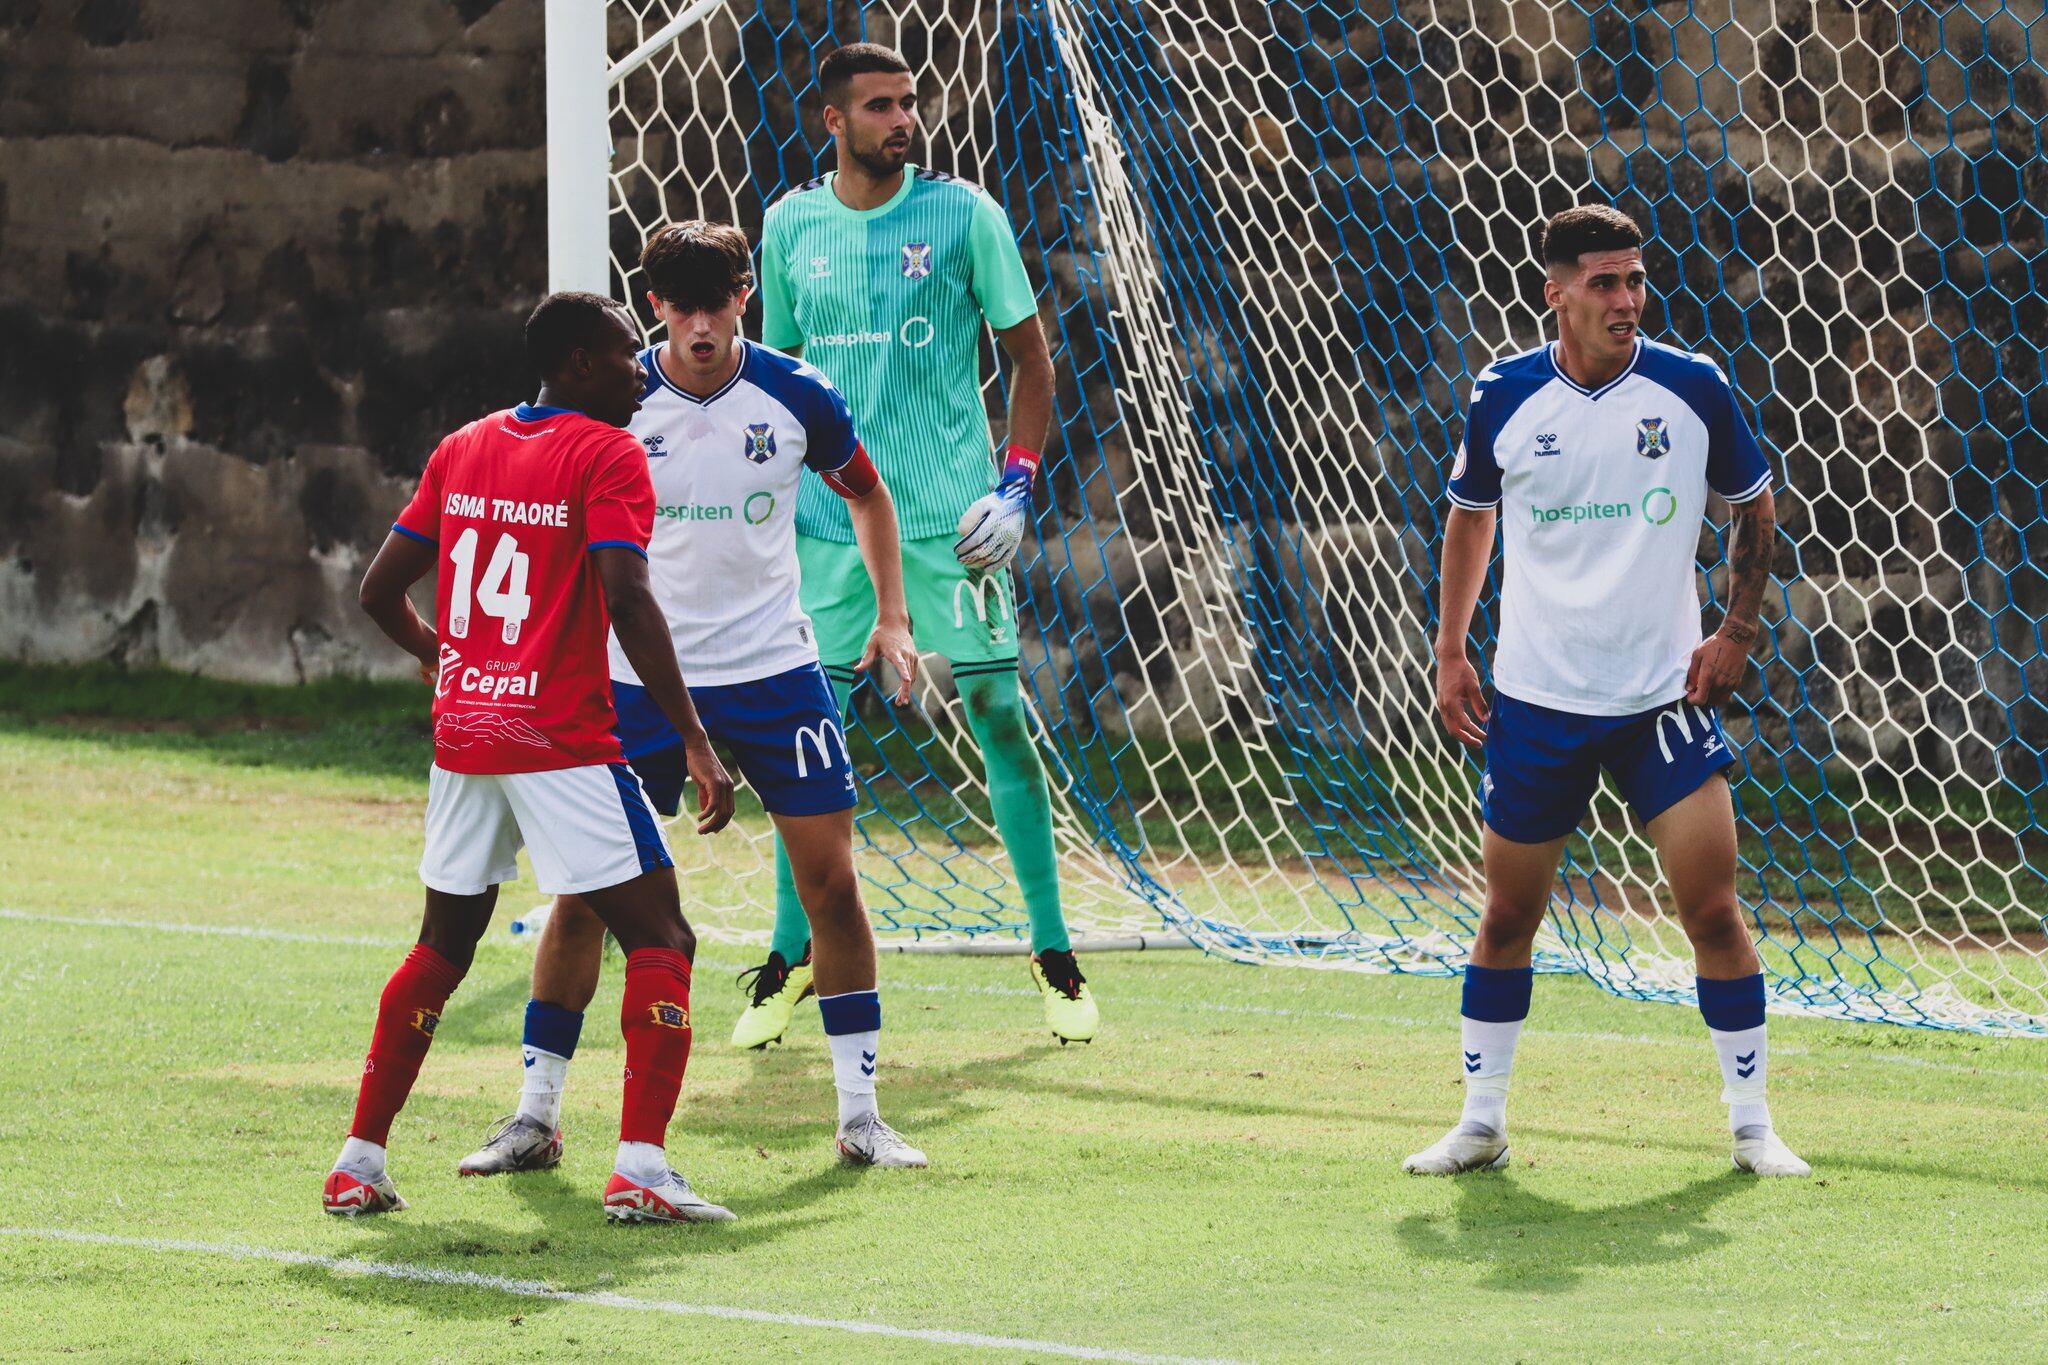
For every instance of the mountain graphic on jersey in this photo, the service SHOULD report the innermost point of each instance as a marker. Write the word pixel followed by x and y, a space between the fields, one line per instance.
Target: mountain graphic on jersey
pixel 467 730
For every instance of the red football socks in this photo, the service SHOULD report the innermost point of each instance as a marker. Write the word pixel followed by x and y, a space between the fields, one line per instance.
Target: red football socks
pixel 407 1015
pixel 656 1021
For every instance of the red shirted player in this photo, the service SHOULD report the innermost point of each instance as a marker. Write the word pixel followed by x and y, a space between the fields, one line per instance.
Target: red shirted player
pixel 536 522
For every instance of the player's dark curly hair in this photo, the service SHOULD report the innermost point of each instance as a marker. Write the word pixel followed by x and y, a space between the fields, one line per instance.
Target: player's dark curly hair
pixel 1589 227
pixel 698 266
pixel 837 71
pixel 568 322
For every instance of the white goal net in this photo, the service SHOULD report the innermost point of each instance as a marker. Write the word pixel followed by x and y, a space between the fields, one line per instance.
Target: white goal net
pixel 1273 243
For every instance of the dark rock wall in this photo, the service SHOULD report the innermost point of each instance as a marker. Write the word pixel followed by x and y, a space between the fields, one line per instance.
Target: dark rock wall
pixel 256 256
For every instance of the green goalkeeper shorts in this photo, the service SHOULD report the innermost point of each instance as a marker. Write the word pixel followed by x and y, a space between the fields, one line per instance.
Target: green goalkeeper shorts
pixel 965 615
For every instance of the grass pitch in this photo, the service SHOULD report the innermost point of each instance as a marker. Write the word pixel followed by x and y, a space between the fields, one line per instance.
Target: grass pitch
pixel 198 918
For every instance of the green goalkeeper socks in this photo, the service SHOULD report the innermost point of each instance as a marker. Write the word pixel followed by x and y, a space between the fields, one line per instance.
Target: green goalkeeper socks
pixel 792 929
pixel 1016 791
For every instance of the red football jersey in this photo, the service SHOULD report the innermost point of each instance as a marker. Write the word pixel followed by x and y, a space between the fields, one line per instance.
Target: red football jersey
pixel 514 503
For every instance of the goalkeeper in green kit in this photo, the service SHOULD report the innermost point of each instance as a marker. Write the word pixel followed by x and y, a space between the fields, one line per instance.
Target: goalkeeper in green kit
pixel 882 275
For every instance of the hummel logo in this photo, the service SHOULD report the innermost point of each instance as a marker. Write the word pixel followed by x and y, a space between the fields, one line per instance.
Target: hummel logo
pixel 529 1061
pixel 1745 1067
pixel 1471 1061
pixel 1546 443
pixel 867 1063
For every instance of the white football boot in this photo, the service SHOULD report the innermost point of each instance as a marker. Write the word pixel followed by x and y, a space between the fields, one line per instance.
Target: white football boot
pixel 867 1141
pixel 668 1200
pixel 1760 1151
pixel 347 1195
pixel 1467 1147
pixel 515 1143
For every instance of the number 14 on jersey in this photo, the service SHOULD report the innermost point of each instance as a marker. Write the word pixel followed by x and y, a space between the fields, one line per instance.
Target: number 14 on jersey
pixel 502 593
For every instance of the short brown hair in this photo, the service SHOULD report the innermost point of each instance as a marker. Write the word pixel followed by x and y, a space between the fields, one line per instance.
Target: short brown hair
pixel 839 68
pixel 697 265
pixel 1589 227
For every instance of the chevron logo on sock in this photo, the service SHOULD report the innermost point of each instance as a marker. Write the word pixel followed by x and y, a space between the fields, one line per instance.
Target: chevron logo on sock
pixel 1745 1067
pixel 1471 1061
pixel 529 1059
pixel 867 1063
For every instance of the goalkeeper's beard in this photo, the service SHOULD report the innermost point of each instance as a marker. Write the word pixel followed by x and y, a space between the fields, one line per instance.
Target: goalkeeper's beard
pixel 879 162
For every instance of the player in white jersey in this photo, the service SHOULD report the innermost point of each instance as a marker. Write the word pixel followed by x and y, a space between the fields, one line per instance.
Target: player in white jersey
pixel 1596 454
pixel 729 427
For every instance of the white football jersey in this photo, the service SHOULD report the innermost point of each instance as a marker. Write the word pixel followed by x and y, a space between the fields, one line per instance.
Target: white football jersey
pixel 725 469
pixel 1601 495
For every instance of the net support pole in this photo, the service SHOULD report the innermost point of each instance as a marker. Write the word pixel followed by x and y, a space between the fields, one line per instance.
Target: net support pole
pixel 579 147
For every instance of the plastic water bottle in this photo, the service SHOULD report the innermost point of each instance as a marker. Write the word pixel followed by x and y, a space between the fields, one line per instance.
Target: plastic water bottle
pixel 528 926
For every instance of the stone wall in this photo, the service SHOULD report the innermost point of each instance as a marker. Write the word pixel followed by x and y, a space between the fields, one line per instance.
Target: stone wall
pixel 256 256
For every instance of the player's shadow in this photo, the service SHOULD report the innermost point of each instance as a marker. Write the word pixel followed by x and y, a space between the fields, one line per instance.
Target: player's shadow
pixel 425 1258
pixel 1531 1243
pixel 574 1250
pixel 786 1105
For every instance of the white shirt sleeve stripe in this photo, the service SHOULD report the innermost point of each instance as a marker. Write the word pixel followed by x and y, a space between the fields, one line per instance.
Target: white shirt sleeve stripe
pixel 1760 486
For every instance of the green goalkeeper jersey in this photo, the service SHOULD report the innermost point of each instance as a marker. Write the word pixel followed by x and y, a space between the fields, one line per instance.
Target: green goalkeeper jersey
pixel 889 302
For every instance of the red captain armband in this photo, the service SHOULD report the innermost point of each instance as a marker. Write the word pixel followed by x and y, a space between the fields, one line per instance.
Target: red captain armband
pixel 856 478
pixel 1020 465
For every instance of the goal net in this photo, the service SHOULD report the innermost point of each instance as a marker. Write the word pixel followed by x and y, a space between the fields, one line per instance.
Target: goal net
pixel 1273 243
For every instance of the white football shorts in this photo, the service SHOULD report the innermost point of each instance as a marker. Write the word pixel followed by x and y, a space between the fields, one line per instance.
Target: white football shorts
pixel 585 828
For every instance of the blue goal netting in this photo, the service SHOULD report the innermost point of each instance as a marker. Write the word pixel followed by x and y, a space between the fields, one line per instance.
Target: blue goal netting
pixel 1274 242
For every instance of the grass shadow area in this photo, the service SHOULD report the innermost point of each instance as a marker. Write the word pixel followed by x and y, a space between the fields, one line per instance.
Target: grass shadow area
pixel 354 725
pixel 1528 1243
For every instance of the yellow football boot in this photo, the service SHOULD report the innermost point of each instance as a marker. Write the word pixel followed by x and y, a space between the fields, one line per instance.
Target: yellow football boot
pixel 777 988
pixel 1069 1009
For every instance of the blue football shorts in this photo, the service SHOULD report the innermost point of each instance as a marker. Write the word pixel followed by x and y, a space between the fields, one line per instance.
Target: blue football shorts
pixel 1543 765
pixel 783 733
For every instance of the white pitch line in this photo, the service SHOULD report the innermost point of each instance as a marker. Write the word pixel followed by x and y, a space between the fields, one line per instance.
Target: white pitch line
pixel 224 930
pixel 1221 1007
pixel 535 1289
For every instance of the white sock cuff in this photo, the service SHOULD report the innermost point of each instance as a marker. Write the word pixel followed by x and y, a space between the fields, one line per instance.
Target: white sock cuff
pixel 360 1157
pixel 641 1161
pixel 1486 1053
pixel 1745 1063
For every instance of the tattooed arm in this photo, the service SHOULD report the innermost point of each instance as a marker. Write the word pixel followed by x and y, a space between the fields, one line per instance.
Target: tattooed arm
pixel 1718 664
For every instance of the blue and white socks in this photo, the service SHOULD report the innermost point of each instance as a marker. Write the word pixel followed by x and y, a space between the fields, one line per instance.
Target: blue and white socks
pixel 1734 1011
pixel 853 1029
pixel 1496 1002
pixel 549 1043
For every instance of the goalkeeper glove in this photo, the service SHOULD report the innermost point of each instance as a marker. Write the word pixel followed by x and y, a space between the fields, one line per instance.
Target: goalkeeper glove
pixel 993 527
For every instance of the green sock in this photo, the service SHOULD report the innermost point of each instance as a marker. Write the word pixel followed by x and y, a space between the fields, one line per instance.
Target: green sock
pixel 1016 791
pixel 792 929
